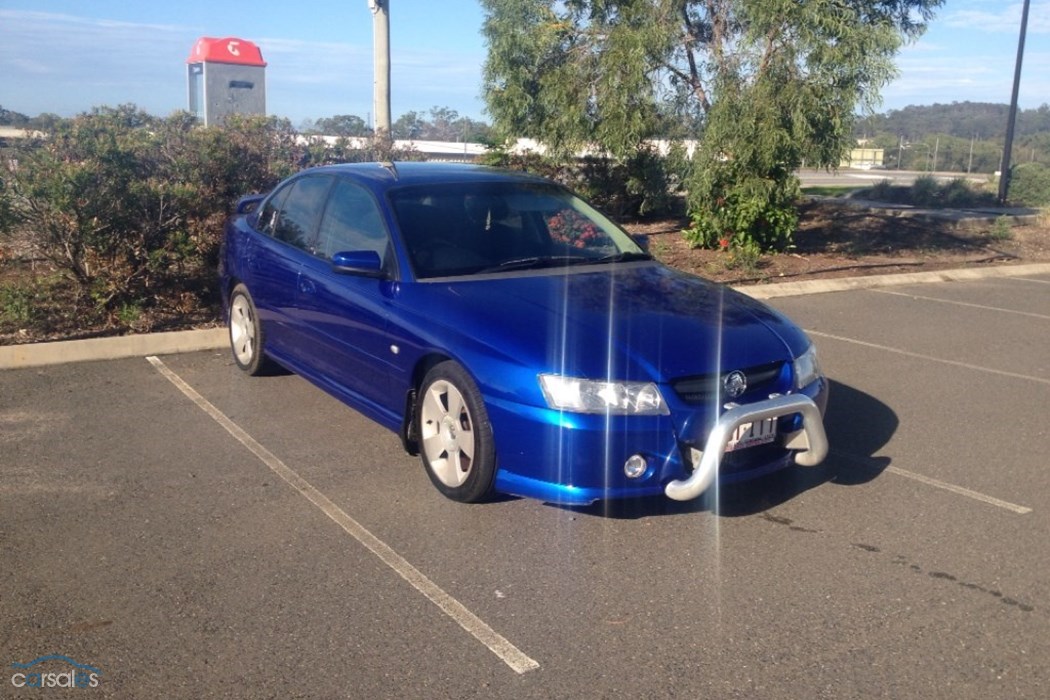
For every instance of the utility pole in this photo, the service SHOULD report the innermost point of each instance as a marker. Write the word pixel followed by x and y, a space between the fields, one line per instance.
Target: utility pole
pixel 381 66
pixel 1004 169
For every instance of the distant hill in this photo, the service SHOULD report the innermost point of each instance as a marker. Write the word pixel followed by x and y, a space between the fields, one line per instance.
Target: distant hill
pixel 960 119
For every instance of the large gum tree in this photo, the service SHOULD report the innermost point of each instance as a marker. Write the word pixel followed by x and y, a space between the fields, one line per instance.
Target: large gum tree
pixel 764 85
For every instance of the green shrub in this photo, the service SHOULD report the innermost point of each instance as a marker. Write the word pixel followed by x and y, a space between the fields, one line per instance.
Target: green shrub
pixel 925 191
pixel 1002 229
pixel 727 203
pixel 8 217
pixel 131 207
pixel 1030 185
pixel 882 191
pixel 956 193
pixel 743 183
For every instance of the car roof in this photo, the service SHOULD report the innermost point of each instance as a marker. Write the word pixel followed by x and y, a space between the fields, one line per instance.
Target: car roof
pixel 387 175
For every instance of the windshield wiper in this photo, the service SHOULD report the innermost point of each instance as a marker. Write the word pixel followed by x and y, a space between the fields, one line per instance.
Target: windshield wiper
pixel 535 262
pixel 538 262
pixel 626 256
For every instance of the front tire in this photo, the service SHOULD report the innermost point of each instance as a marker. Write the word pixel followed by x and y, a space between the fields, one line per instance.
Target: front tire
pixel 246 333
pixel 455 436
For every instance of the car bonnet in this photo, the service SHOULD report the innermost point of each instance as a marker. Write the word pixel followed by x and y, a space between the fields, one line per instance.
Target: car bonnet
pixel 630 321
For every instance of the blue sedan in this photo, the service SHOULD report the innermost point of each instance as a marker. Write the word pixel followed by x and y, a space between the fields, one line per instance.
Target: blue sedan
pixel 515 338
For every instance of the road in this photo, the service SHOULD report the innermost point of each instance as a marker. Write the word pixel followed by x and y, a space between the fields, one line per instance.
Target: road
pixel 189 532
pixel 855 177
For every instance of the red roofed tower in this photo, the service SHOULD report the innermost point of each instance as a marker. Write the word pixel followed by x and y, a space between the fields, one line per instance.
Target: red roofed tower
pixel 225 76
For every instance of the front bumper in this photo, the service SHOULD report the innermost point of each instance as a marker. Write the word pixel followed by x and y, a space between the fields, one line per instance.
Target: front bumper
pixel 575 459
pixel 810 440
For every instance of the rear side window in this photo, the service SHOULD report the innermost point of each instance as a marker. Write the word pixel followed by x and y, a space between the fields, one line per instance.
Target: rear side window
pixel 297 218
pixel 268 214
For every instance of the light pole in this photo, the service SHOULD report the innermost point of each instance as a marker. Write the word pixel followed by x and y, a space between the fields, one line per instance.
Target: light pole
pixel 381 66
pixel 1004 170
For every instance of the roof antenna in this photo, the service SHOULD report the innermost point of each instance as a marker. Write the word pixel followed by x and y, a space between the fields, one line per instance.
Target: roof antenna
pixel 389 165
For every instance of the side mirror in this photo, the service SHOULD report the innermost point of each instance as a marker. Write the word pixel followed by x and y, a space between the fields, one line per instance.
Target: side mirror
pixel 642 240
pixel 363 263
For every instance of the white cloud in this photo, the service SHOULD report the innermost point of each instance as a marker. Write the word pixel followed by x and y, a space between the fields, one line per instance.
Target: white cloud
pixel 1001 17
pixel 976 78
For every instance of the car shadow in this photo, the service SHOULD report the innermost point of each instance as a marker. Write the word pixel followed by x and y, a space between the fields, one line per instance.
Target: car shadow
pixel 858 426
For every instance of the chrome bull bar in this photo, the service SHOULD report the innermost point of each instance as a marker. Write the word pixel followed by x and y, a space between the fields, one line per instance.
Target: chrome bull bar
pixel 812 439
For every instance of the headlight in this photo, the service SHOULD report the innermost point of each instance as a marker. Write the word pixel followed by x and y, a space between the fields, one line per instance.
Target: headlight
pixel 590 396
pixel 806 368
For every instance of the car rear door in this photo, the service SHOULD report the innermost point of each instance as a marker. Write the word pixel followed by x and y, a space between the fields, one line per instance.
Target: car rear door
pixel 288 224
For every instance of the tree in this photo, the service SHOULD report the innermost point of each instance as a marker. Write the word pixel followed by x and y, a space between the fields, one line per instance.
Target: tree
pixel 444 124
pixel 409 126
pixel 443 121
pixel 770 83
pixel 343 125
pixel 45 122
pixel 9 118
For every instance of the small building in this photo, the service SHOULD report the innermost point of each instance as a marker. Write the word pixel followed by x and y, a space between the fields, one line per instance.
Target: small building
pixel 225 76
pixel 864 157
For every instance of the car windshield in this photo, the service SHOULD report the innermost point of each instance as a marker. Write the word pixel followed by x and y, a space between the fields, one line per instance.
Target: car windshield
pixel 484 227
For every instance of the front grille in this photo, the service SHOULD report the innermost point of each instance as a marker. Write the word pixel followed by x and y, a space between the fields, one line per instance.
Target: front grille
pixel 742 461
pixel 751 458
pixel 705 389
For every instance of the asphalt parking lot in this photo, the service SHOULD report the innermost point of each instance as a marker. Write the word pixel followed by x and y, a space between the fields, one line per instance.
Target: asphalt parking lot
pixel 187 531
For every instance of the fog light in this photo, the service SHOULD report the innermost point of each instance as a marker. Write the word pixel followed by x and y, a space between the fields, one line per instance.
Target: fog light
pixel 635 466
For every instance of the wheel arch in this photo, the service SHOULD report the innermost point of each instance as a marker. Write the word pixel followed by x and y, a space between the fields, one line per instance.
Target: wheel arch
pixel 409 439
pixel 230 282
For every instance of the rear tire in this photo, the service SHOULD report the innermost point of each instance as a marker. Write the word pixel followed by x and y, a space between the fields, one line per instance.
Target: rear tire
pixel 247 339
pixel 455 436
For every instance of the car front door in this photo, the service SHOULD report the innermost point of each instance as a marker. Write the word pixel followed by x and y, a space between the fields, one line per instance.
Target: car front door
pixel 348 311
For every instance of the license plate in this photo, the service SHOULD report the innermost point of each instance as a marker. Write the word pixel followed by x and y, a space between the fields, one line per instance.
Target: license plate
pixel 753 434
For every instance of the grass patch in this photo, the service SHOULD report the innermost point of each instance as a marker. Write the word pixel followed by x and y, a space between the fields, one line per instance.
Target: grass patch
pixel 1002 229
pixel 744 255
pixel 16 304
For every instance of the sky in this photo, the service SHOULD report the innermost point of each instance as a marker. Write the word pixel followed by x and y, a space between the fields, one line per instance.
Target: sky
pixel 67 56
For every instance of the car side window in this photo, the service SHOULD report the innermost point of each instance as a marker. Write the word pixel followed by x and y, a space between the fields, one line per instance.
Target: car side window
pixel 268 214
pixel 296 221
pixel 352 222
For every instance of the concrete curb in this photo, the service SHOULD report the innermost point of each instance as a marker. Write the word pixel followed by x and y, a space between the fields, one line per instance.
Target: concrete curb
pixel 60 352
pixel 843 284
pixel 63 351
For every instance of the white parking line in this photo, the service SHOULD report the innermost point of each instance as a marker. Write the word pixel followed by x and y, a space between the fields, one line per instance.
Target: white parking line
pixel 1029 279
pixel 931 358
pixel 500 646
pixel 937 483
pixel 996 309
